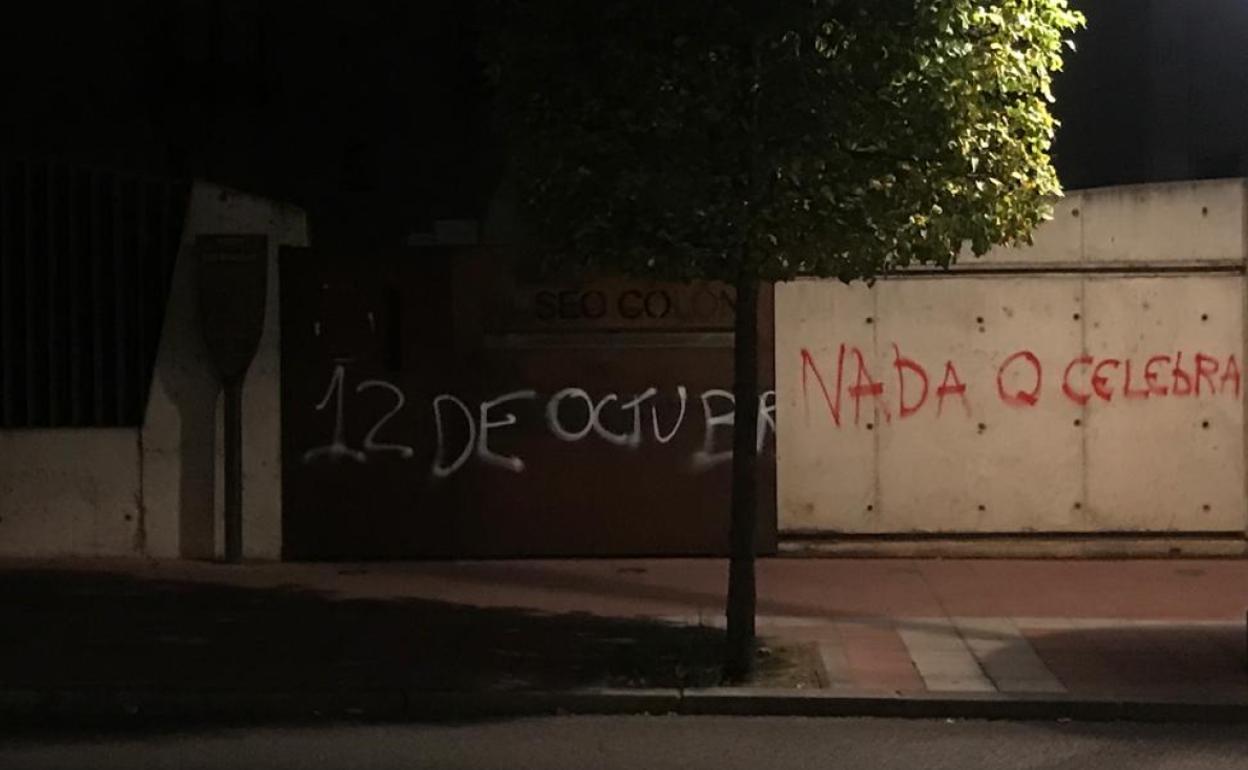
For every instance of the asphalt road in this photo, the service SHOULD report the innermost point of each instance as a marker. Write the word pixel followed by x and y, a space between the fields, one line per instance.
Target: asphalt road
pixel 652 743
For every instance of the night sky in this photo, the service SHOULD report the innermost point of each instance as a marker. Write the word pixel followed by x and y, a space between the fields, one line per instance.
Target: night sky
pixel 375 115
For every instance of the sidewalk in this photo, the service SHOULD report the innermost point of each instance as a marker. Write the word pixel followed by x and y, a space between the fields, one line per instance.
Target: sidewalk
pixel 93 635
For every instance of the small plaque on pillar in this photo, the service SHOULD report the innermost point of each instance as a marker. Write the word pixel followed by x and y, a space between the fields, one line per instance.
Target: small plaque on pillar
pixel 233 272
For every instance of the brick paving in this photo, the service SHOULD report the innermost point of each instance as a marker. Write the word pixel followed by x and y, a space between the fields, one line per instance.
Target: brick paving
pixel 1149 628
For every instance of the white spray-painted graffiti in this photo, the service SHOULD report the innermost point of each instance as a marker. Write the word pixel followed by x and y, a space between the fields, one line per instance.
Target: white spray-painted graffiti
pixel 571 415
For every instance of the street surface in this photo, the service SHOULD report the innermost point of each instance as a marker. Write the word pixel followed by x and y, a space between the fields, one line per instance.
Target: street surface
pixel 652 743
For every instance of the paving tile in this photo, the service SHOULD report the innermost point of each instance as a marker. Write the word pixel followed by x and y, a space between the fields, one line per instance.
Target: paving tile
pixel 680 620
pixel 1005 655
pixel 888 680
pixel 985 627
pixel 1046 623
pixel 866 621
pixel 959 664
pixel 819 633
pixel 903 686
pixel 836 673
pixel 882 634
pixel 958 684
pixel 789 621
pixel 878 659
pixel 1100 624
pixel 1187 623
pixel 1046 685
pixel 882 667
pixel 943 661
pixel 931 636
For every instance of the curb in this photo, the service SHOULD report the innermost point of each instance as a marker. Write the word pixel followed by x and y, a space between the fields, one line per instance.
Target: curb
pixel 136 707
pixel 752 702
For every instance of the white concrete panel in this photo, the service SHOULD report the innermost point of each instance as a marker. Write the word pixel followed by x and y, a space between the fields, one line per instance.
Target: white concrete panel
pixel 825 465
pixel 941 657
pixel 1171 222
pixel 989 462
pixel 1085 457
pixel 1157 459
pixel 1138 225
pixel 70 492
pixel 945 460
pixel 1056 242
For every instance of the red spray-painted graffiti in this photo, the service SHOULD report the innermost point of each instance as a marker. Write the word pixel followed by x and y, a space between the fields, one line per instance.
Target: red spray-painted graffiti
pixel 1020 381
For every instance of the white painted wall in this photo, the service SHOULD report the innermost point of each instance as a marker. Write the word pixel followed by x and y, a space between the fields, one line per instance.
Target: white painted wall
pixel 156 490
pixel 70 492
pixel 983 461
pixel 1175 223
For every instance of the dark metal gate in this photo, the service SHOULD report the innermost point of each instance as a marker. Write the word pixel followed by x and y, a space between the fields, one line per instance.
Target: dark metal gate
pixel 433 406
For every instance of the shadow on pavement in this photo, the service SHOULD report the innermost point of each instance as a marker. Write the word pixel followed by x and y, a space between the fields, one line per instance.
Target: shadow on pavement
pixel 1181 661
pixel 82 629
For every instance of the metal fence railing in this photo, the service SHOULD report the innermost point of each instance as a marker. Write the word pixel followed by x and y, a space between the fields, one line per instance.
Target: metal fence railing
pixel 86 258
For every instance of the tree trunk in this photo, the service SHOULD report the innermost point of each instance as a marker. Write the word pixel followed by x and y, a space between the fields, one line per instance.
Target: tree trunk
pixel 739 661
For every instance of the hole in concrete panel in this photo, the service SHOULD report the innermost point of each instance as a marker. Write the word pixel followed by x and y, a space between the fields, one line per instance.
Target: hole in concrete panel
pixel 870 507
pixel 1078 506
pixel 870 426
pixel 1074 212
pixel 1204 211
pixel 983 507
pixel 1206 507
pixel 1075 316
pixel 1204 424
pixel 870 320
pixel 1204 316
pixel 1078 422
pixel 979 319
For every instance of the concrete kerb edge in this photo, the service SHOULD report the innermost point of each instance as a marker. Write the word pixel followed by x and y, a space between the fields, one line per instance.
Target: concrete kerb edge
pixel 113 704
pixel 135 705
pixel 750 702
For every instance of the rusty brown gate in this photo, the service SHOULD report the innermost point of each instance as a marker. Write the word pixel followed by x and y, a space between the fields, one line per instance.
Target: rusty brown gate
pixel 433 405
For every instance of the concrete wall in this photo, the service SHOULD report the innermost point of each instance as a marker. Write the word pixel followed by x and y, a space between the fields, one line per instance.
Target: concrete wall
pixel 156 490
pixel 1090 383
pixel 70 491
